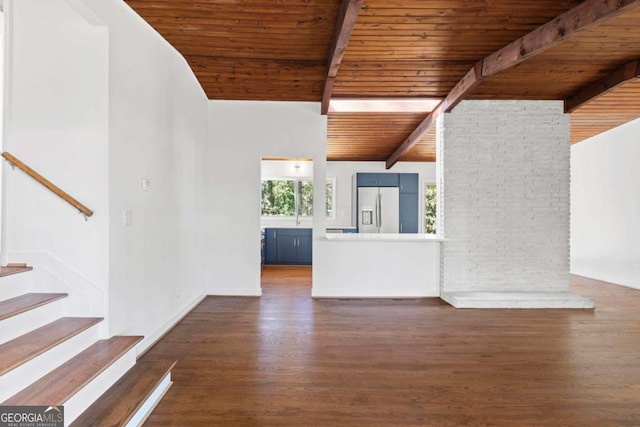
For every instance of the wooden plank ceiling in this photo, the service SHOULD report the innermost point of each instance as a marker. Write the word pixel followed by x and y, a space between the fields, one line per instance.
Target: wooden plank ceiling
pixel 279 50
pixel 374 136
pixel 249 49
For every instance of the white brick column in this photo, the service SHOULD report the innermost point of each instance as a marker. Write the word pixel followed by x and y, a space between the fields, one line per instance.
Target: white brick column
pixel 505 175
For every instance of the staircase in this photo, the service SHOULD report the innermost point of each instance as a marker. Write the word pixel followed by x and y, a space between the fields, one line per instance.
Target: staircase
pixel 49 358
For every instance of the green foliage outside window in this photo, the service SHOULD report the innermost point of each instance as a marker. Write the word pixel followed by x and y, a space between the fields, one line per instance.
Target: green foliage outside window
pixel 306 198
pixel 279 198
pixel 329 206
pixel 430 193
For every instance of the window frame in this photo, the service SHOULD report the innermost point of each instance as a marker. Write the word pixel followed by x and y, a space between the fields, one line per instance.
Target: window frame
pixel 333 198
pixel 423 192
pixel 303 179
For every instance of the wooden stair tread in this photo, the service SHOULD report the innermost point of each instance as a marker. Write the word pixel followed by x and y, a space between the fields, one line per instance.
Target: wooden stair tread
pixel 28 346
pixel 26 302
pixel 118 404
pixel 13 269
pixel 62 383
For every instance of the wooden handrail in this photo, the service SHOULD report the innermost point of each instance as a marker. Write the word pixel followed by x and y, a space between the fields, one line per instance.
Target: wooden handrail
pixel 54 188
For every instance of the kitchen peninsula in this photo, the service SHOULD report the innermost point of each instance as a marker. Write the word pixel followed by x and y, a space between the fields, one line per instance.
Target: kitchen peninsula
pixel 377 266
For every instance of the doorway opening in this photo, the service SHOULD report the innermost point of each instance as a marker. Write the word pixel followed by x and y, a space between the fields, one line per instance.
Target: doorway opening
pixel 286 224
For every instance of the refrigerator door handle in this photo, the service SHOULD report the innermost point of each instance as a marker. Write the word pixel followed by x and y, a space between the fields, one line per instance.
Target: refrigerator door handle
pixel 379 211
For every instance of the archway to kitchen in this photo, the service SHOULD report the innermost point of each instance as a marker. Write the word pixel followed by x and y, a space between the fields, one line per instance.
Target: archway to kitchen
pixel 286 223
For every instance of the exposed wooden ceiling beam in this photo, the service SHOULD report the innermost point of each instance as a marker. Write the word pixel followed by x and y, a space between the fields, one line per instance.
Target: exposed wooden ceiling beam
pixel 629 71
pixel 580 18
pixel 469 82
pixel 346 21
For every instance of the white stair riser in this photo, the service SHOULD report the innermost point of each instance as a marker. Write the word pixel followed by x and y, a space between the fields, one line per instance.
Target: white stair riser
pixel 85 397
pixel 29 320
pixel 23 375
pixel 16 285
pixel 150 404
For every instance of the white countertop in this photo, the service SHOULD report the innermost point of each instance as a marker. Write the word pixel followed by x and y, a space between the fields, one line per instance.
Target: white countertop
pixel 373 237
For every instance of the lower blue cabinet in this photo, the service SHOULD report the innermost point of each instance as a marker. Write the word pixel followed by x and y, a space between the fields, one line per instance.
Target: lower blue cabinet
pixel 303 250
pixel 408 213
pixel 270 242
pixel 286 250
pixel 290 246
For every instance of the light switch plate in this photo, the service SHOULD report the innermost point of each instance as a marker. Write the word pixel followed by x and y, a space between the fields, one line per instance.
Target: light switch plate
pixel 146 185
pixel 127 218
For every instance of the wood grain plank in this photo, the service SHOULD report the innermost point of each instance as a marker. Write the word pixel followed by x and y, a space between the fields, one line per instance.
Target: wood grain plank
pixel 250 34
pixel 628 71
pixel 543 38
pixel 10 269
pixel 26 347
pixel 289 359
pixel 62 383
pixel 347 18
pixel 118 404
pixel 14 306
pixel 565 26
pixel 372 136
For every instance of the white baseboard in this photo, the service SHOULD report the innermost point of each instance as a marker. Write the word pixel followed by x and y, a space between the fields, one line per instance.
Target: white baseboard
pixel 605 278
pixel 371 296
pixel 222 292
pixel 152 338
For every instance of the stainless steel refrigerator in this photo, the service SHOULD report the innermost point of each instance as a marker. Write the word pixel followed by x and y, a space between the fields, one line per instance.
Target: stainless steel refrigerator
pixel 378 209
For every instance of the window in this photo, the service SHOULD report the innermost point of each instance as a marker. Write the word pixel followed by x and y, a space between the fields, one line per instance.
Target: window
pixel 280 197
pixel 330 192
pixel 430 193
pixel 306 197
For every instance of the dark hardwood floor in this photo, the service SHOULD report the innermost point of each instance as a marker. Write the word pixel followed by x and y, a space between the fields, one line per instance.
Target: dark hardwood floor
pixel 285 359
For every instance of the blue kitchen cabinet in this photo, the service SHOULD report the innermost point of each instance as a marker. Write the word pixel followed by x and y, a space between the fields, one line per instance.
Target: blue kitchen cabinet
pixel 270 237
pixel 408 213
pixel 288 246
pixel 377 179
pixel 303 250
pixel 387 180
pixel 367 179
pixel 409 183
pixel 286 249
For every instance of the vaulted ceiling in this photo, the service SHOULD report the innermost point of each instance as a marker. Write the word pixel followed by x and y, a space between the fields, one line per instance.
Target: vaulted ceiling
pixel 397 49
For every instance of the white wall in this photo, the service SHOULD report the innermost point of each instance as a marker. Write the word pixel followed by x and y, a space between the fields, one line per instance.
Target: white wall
pixel 343 173
pixel 376 269
pixel 57 123
pixel 99 101
pixel 240 134
pixel 157 131
pixel 505 196
pixel 605 206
